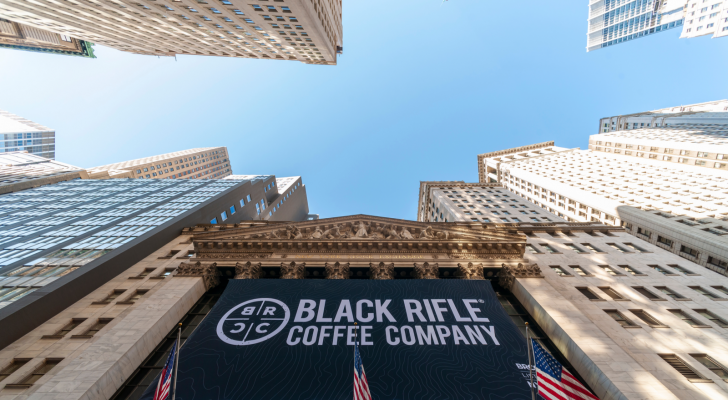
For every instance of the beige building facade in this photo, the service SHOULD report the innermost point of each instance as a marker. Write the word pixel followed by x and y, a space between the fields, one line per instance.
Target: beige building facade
pixel 641 321
pixel 681 209
pixel 198 163
pixel 23 37
pixel 309 31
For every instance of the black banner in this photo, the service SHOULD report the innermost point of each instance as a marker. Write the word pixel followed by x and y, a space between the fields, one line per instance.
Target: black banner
pixel 293 339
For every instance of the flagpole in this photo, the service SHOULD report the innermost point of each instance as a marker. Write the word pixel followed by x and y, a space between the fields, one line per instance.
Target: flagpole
pixel 530 369
pixel 176 361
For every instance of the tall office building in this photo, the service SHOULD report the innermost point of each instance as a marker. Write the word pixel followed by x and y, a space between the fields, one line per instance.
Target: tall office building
pixel 612 22
pixel 60 242
pixel 309 31
pixel 675 206
pixel 634 320
pixel 23 37
pixel 20 134
pixel 199 163
pixel 694 134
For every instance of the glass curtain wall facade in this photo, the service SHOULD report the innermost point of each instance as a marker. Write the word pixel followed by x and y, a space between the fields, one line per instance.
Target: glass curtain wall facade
pixel 50 231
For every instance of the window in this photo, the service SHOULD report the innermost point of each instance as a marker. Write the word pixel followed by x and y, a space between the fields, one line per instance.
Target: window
pixel 717 262
pixel 612 293
pixel 685 317
pixel 681 269
pixel 136 296
pixel 630 270
pixel 673 294
pixel 704 313
pixel 661 270
pixel 532 249
pixel 610 271
pixel 663 240
pixel 232 210
pixel 648 319
pixel 100 324
pixel 705 292
pixel 575 248
pixel 214 220
pixel 620 318
pixel 548 248
pixel 579 270
pixel 681 367
pixel 688 251
pixel 141 275
pixel 43 369
pixel 588 293
pixel 592 248
pixel 636 248
pixel 644 232
pixel 14 366
pixel 643 291
pixel 111 297
pixel 721 289
pixel 712 365
pixel 559 271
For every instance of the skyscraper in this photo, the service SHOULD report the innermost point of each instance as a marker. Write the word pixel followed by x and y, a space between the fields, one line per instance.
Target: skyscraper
pixel 20 134
pixel 198 163
pixel 675 206
pixel 612 22
pixel 605 299
pixel 309 31
pixel 694 134
pixel 102 227
pixel 23 37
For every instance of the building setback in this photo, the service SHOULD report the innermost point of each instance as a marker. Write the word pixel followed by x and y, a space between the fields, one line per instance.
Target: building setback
pixel 20 134
pixel 309 31
pixel 59 242
pixel 198 163
pixel 634 320
pixel 20 170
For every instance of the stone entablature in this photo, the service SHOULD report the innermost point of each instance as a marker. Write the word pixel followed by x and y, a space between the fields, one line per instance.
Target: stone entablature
pixel 339 248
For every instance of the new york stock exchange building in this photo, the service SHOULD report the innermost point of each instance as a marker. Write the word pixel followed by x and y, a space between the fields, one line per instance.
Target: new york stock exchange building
pixel 267 311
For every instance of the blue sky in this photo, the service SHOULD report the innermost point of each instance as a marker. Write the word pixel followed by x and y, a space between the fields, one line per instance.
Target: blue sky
pixel 421 89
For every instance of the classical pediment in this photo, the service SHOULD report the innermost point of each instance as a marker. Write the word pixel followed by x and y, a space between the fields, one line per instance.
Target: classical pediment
pixel 363 228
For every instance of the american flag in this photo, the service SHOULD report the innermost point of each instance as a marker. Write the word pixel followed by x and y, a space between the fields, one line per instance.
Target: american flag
pixel 554 381
pixel 361 387
pixel 164 386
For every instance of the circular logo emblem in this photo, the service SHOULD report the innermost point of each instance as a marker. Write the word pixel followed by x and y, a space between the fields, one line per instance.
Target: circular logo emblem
pixel 253 321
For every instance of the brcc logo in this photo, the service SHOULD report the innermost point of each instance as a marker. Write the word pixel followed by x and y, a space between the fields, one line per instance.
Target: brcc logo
pixel 253 321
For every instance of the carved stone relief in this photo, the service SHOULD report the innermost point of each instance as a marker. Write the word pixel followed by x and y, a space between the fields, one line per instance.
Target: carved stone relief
pixel 509 273
pixel 208 273
pixel 471 271
pixel 381 271
pixel 248 270
pixel 427 271
pixel 293 270
pixel 337 270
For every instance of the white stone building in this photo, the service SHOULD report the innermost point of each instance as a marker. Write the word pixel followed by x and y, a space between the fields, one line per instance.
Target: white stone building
pixel 644 323
pixel 615 21
pixel 197 163
pixel 680 208
pixel 20 134
pixel 309 31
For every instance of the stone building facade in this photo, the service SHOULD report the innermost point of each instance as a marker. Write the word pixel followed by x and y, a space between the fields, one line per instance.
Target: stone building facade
pixel 675 206
pixel 645 322
pixel 309 31
pixel 198 163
